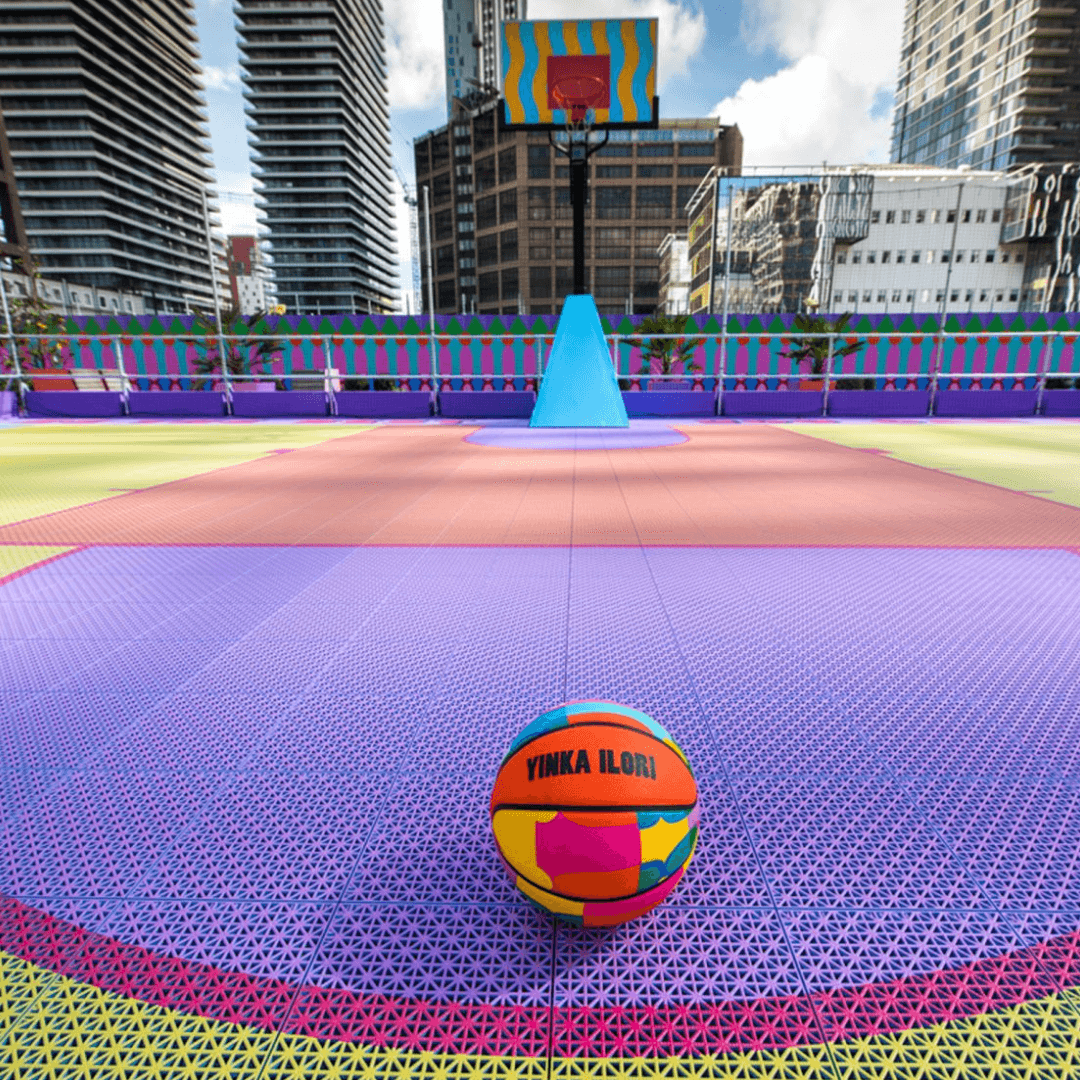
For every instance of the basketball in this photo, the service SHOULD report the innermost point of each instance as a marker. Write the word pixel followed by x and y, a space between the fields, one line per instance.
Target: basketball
pixel 595 813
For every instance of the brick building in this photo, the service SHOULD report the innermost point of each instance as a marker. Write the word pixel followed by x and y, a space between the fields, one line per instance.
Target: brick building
pixel 501 215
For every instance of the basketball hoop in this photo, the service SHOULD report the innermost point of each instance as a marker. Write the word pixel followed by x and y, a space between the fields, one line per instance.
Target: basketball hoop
pixel 579 96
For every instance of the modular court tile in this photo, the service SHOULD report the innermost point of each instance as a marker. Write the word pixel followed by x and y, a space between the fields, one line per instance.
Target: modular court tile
pixel 251 719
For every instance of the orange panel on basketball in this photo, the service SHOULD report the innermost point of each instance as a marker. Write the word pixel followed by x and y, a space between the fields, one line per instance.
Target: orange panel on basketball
pixel 595 765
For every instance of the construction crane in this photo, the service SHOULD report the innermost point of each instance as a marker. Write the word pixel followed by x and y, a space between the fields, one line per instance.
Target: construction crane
pixel 414 239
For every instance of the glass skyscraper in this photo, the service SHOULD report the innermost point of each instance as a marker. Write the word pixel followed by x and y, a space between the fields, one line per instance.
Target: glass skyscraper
pixel 108 130
pixel 316 89
pixel 988 83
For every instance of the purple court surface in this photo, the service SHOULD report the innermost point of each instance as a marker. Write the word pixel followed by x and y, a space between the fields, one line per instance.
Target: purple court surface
pixel 272 765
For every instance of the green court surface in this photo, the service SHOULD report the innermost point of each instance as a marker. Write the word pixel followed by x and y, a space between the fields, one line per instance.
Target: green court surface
pixel 49 467
pixel 1041 459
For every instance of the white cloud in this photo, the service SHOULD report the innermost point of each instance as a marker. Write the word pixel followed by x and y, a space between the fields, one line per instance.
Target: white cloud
pixel 821 106
pixel 681 31
pixel 216 78
pixel 414 53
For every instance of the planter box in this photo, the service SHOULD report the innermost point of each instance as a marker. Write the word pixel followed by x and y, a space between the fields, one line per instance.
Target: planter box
pixel 74 403
pixel 9 404
pixel 986 403
pixel 375 403
pixel 773 403
pixel 176 403
pixel 1061 403
pixel 668 385
pixel 669 403
pixel 879 402
pixel 478 404
pixel 281 403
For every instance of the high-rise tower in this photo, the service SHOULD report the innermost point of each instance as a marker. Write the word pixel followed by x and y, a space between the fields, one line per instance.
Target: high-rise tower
pixel 988 83
pixel 107 124
pixel 315 82
pixel 471 32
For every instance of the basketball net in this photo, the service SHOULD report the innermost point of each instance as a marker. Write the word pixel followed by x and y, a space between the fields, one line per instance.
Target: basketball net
pixel 578 96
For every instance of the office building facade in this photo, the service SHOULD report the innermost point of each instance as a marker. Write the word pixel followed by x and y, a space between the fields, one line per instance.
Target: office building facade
pixel 471 32
pixel 108 134
pixel 314 75
pixel 501 216
pixel 886 238
pixel 988 83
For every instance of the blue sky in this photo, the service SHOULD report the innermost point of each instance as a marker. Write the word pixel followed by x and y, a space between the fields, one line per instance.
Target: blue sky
pixel 806 80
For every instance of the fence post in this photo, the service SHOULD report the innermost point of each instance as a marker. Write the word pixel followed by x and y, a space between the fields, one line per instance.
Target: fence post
pixel 13 344
pixel 328 363
pixel 828 373
pixel 722 369
pixel 1043 369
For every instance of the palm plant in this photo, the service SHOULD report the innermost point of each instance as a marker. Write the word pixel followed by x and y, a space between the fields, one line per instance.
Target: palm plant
pixel 36 327
pixel 665 353
pixel 818 351
pixel 244 354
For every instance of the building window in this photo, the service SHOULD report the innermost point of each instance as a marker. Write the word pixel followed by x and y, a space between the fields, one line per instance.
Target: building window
pixel 871 257
pixel 539 282
pixel 935 217
pixel 958 257
pixel 612 243
pixel 488 287
pixel 1004 257
pixel 856 257
pixel 697 149
pixel 612 172
pixel 939 296
pixel 905 217
pixel 950 216
pixel 508 245
pixel 694 170
pixel 683 194
pixel 487 249
pixel 539 204
pixel 1018 257
pixel 980 217
pixel 911 297
pixel 875 217
pixel 954 296
pixel 618 149
pixel 920 217
pixel 969 296
pixel 447 294
pixel 510 284
pixel 653 202
pixel 440 188
pixel 990 255
pixel 885 256
pixel 444 225
pixel 841 257
pixel 539 162
pixel 1013 295
pixel 612 202
pixel 612 281
pixel 540 252
pixel 657 149
pixel 656 171
pixel 896 296
pixel 564 280
pixel 890 217
pixel 507 207
pixel 444 259
pixel 867 296
pixel 945 256
pixel 508 165
pixel 967 217
pixel 882 297
pixel 486 215
pixel 485 174
pixel 838 299
pixel 901 256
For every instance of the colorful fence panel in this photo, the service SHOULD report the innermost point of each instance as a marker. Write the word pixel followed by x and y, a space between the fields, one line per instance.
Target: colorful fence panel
pixel 489 353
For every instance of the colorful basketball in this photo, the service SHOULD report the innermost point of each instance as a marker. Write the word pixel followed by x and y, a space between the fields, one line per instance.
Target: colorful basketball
pixel 595 813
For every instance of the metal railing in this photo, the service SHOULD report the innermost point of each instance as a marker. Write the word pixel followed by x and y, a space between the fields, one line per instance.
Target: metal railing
pixel 36 348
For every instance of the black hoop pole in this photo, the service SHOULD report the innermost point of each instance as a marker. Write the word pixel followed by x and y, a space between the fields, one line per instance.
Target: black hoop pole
pixel 578 151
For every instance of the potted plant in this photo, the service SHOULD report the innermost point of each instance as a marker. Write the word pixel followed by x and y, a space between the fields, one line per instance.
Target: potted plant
pixel 244 354
pixel 815 350
pixel 39 347
pixel 660 356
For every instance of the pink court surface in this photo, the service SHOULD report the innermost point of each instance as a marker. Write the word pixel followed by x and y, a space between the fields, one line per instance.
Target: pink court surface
pixel 252 716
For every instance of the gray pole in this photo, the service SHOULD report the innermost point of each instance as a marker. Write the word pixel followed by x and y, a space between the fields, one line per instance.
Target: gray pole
pixel 431 305
pixel 217 302
pixel 935 369
pixel 727 287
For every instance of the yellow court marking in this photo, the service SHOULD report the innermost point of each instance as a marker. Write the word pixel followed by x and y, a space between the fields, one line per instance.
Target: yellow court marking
pixel 1042 459
pixel 16 557
pixel 45 468
pixel 53 1026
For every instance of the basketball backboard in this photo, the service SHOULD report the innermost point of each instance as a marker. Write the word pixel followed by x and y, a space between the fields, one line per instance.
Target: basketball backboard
pixel 603 67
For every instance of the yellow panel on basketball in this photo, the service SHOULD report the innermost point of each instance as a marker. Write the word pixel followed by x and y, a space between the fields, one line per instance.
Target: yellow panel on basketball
pixel 595 812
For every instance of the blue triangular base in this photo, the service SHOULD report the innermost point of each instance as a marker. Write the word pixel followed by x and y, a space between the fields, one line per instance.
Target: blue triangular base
pixel 579 388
